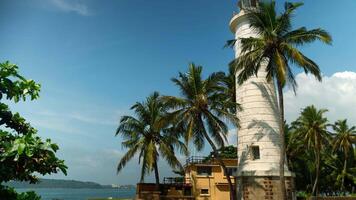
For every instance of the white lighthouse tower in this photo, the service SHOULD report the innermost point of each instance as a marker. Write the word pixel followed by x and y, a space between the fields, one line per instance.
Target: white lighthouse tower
pixel 258 135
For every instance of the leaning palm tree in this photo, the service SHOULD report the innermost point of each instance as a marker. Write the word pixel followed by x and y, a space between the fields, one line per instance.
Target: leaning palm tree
pixel 342 142
pixel 148 135
pixel 202 112
pixel 276 50
pixel 311 128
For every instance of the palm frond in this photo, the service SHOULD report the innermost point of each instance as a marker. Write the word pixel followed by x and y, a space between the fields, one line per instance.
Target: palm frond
pixel 303 36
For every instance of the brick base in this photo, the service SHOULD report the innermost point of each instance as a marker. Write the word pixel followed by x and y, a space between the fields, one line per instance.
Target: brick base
pixel 264 188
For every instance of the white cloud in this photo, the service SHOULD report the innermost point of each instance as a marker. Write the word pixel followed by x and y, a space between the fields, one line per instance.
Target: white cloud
pixel 337 93
pixel 72 6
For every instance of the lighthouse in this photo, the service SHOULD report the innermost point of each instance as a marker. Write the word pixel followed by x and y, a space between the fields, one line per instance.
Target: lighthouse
pixel 258 136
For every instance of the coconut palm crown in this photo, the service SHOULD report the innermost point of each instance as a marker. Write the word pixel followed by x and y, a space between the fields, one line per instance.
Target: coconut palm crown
pixel 277 45
pixel 343 143
pixel 311 128
pixel 148 135
pixel 203 111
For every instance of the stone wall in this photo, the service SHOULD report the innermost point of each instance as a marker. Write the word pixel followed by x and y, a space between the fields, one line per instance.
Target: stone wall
pixel 265 188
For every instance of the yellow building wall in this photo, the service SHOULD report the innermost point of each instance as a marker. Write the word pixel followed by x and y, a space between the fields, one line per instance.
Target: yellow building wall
pixel 216 183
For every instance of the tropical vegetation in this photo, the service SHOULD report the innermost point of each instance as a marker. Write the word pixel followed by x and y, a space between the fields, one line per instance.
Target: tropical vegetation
pixel 276 50
pixel 311 128
pixel 150 135
pixel 200 114
pixel 23 154
pixel 321 154
pixel 226 152
pixel 203 111
pixel 343 143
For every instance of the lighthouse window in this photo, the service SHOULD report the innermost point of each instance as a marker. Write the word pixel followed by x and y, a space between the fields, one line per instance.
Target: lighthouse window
pixel 255 150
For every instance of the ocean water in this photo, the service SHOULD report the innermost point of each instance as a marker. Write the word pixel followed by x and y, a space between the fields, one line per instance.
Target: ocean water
pixel 80 194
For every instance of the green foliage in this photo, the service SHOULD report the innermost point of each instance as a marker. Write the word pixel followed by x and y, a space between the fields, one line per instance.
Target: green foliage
pixel 342 143
pixel 311 146
pixel 8 193
pixel 203 110
pixel 28 196
pixel 302 195
pixel 22 152
pixel 149 133
pixel 227 152
pixel 277 45
pixel 311 128
pixel 15 86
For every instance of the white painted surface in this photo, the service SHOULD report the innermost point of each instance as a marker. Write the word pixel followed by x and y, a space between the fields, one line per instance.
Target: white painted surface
pixel 259 119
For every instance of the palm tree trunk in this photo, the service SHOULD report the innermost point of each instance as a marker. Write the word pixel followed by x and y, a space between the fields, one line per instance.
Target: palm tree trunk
pixel 343 175
pixel 217 156
pixel 282 140
pixel 316 182
pixel 156 175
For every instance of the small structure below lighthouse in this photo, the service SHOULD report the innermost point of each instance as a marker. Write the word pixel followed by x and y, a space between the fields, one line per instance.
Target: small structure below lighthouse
pixel 258 135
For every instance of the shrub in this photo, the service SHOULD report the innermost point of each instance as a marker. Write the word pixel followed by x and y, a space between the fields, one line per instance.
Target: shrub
pixel 31 195
pixel 8 193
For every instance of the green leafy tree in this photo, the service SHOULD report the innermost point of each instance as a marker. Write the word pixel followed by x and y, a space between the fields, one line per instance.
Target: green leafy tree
pixel 275 49
pixel 8 193
pixel 311 128
pixel 298 158
pixel 335 179
pixel 226 152
pixel 149 134
pixel 343 143
pixel 22 152
pixel 202 111
pixel 28 196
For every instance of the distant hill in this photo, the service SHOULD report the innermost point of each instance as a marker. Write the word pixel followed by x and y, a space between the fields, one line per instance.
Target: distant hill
pixel 58 183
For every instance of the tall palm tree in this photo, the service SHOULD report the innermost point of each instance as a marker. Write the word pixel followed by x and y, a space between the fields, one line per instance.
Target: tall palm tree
pixel 342 142
pixel 293 145
pixel 276 50
pixel 148 135
pixel 202 111
pixel 311 128
pixel 229 87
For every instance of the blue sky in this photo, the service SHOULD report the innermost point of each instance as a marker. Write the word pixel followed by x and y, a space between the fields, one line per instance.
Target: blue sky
pixel 96 58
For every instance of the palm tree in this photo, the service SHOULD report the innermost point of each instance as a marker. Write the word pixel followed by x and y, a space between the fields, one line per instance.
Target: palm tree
pixel 229 83
pixel 293 145
pixel 311 128
pixel 202 111
pixel 276 49
pixel 148 134
pixel 342 142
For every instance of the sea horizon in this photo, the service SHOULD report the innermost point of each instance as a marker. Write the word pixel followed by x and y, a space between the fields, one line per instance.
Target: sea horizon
pixel 80 193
